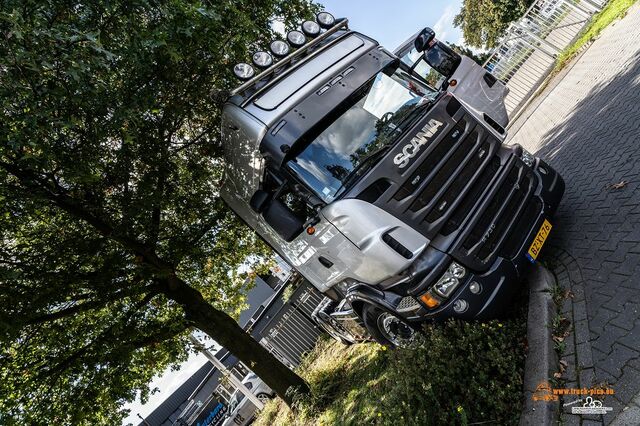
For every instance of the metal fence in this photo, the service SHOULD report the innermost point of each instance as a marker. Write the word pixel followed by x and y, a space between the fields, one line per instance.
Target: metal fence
pixel 293 332
pixel 527 52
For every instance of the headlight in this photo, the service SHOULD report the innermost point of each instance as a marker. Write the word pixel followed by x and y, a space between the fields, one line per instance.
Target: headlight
pixel 528 158
pixel 460 306
pixel 296 38
pixel 431 300
pixel 311 28
pixel 262 59
pixel 279 48
pixel 456 270
pixel 325 19
pixel 243 71
pixel 446 285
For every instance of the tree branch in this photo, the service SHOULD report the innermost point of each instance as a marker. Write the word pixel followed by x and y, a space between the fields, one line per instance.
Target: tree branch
pixel 192 141
pixel 68 204
pixel 151 290
pixel 77 355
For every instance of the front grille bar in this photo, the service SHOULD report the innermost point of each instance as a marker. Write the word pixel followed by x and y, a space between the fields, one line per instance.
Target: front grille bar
pixel 489 242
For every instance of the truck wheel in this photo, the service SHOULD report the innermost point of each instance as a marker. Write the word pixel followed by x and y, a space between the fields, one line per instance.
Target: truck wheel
pixel 387 328
pixel 264 397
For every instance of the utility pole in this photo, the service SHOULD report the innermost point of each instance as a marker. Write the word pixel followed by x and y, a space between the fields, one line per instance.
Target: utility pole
pixel 223 369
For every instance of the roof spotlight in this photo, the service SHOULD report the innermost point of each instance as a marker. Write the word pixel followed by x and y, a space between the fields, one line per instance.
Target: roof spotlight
pixel 262 59
pixel 279 48
pixel 325 20
pixel 296 38
pixel 243 71
pixel 310 28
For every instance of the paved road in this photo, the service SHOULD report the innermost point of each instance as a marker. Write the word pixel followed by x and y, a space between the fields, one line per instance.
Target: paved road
pixel 588 128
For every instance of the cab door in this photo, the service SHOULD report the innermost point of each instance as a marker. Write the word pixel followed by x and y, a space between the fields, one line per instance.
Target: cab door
pixel 476 88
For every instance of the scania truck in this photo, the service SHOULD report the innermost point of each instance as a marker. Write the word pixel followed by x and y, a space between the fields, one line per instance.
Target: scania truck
pixel 382 178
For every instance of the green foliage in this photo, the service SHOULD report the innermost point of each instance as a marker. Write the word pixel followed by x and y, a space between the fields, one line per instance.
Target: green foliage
pixel 484 21
pixel 480 57
pixel 460 373
pixel 109 175
pixel 614 10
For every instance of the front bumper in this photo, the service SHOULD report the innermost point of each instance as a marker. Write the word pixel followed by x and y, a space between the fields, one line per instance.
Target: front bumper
pixel 502 279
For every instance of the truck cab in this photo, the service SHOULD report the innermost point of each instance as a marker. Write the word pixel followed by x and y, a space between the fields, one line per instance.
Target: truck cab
pixel 382 178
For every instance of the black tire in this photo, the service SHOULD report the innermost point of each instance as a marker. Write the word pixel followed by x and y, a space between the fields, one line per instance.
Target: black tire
pixel 382 325
pixel 264 396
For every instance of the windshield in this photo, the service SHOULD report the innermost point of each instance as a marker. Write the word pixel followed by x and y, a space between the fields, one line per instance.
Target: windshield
pixel 422 68
pixel 380 112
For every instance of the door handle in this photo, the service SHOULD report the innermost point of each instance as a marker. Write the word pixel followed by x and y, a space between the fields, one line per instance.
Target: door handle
pixel 325 262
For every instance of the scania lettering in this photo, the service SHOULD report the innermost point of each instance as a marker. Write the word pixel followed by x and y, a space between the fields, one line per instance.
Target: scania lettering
pixel 422 138
pixel 382 178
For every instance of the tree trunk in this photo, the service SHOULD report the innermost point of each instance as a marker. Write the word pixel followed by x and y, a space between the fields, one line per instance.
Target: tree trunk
pixel 226 331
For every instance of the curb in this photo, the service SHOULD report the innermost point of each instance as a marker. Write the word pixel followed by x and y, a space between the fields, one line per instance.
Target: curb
pixel 577 353
pixel 541 360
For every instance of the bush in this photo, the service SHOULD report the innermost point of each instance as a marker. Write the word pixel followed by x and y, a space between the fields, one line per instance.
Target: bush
pixel 458 373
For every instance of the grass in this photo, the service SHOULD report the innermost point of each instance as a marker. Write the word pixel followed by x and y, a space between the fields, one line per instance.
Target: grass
pixel 614 10
pixel 459 373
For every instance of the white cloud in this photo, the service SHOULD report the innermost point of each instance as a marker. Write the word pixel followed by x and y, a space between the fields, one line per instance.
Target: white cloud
pixel 445 23
pixel 388 95
pixel 315 170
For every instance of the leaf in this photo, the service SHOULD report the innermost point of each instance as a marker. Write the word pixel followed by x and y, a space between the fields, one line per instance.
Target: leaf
pixel 619 185
pixel 77 127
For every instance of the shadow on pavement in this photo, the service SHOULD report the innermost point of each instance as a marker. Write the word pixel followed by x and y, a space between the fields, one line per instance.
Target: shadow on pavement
pixel 597 151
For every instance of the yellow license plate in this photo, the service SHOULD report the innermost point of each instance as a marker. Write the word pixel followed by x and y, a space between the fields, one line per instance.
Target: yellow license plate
pixel 538 241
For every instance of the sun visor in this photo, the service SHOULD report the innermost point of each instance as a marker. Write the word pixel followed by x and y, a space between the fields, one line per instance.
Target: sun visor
pixel 307 73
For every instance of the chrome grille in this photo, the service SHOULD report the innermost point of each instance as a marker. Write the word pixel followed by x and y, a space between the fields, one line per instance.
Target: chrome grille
pixel 504 208
pixel 441 192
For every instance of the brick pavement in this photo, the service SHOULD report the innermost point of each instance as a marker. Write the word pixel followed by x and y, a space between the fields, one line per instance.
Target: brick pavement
pixel 587 126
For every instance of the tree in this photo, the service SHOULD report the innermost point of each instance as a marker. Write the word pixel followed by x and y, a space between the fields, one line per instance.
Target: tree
pixel 484 21
pixel 480 58
pixel 113 241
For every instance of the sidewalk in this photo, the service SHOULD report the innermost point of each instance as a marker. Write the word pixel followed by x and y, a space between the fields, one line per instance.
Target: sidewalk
pixel 587 126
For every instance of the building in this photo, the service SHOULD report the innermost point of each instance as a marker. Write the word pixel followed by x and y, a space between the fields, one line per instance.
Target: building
pixel 284 327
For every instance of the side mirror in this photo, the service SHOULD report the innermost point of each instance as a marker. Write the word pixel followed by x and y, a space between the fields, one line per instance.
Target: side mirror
pixel 442 58
pixel 282 220
pixel 423 39
pixel 259 200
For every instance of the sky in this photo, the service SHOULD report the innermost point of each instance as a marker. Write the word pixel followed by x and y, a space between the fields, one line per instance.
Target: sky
pixel 390 22
pixel 167 383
